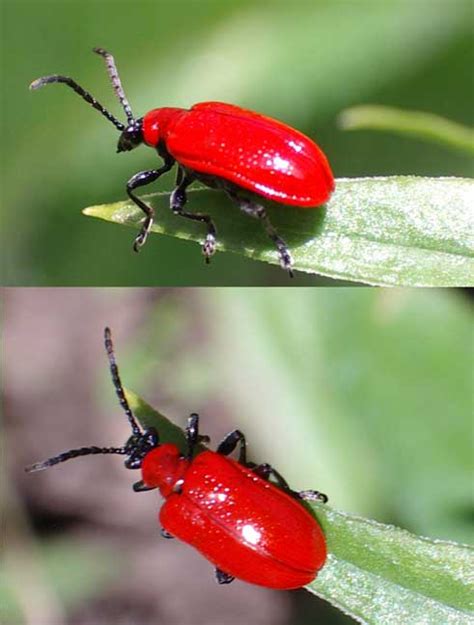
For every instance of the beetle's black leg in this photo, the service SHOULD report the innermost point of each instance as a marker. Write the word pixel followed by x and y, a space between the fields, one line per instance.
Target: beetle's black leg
pixel 178 200
pixel 193 437
pixel 312 495
pixel 141 487
pixel 230 442
pixel 266 471
pixel 223 578
pixel 165 534
pixel 139 180
pixel 258 212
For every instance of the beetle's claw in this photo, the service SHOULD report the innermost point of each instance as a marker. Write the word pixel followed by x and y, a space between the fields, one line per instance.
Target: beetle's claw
pixel 142 236
pixel 286 261
pixel 223 578
pixel 140 241
pixel 166 534
pixel 313 495
pixel 209 247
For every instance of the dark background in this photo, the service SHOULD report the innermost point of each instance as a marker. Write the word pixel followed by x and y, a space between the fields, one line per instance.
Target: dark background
pixel 302 62
pixel 365 394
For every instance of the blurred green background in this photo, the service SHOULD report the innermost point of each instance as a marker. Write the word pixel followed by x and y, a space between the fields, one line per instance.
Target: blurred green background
pixel 302 62
pixel 365 394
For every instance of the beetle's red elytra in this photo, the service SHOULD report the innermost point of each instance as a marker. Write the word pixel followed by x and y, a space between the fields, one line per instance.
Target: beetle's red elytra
pixel 250 150
pixel 241 516
pixel 245 525
pixel 246 154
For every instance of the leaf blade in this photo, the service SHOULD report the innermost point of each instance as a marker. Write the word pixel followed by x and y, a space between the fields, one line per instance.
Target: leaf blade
pixel 435 570
pixel 376 573
pixel 419 124
pixel 360 595
pixel 392 231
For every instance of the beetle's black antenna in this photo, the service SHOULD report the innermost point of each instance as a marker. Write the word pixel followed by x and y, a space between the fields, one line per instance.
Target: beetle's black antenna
pixel 85 95
pixel 116 82
pixel 118 383
pixel 74 453
pixel 127 449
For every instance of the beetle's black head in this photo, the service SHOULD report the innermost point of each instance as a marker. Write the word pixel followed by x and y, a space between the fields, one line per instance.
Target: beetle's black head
pixel 131 137
pixel 139 445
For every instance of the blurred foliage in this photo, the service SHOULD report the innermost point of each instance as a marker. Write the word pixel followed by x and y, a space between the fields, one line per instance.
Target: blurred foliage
pixel 301 62
pixel 364 394
pixel 374 572
pixel 414 123
pixel 372 387
pixel 75 570
pixel 374 390
pixel 41 580
pixel 381 574
pixel 393 231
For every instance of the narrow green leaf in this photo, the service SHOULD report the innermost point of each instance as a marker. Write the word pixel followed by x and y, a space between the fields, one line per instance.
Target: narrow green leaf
pixel 414 123
pixel 394 231
pixel 378 574
pixel 381 574
pixel 148 417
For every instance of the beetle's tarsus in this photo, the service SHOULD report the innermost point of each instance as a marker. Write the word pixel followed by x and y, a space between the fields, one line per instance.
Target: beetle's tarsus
pixel 141 487
pixel 209 247
pixel 223 578
pixel 141 238
pixel 312 495
pixel 286 260
pixel 257 211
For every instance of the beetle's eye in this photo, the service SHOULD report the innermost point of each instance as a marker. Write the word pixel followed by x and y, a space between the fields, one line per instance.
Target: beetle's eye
pixel 129 139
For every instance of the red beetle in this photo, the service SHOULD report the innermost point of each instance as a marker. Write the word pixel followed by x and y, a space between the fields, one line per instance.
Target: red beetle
pixel 248 527
pixel 223 146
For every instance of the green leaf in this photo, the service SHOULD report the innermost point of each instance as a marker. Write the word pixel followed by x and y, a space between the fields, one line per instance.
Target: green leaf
pixel 372 388
pixel 148 417
pixel 375 573
pixel 394 231
pixel 381 574
pixel 414 123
